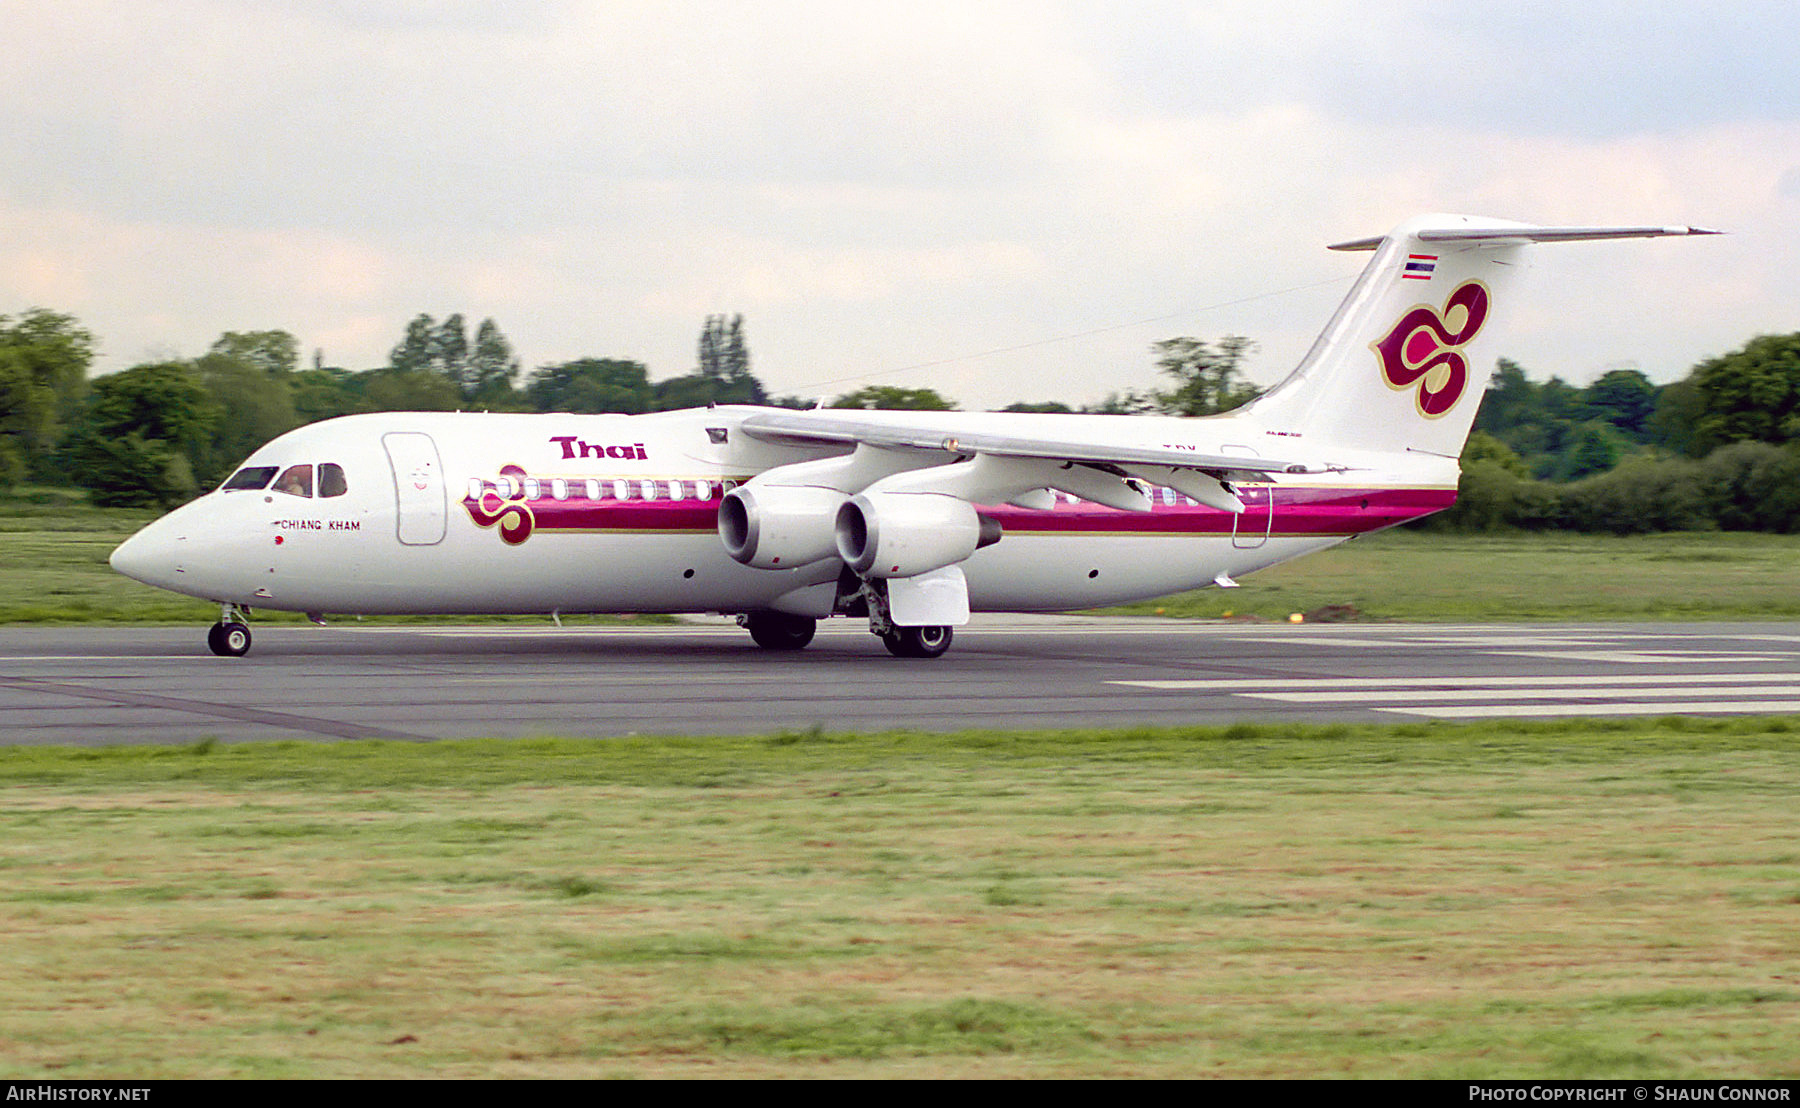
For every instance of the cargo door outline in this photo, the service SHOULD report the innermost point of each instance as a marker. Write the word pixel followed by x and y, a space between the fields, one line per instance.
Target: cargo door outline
pixel 420 507
pixel 1251 527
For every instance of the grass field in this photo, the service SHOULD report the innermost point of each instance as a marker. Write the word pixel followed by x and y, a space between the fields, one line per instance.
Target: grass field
pixel 1574 900
pixel 1414 575
pixel 1578 899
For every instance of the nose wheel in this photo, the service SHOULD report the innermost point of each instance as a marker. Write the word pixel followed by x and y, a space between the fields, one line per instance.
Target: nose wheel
pixel 230 637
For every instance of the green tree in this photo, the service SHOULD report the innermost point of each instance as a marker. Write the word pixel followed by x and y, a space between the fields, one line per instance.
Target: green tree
pixel 491 368
pixel 482 373
pixel 450 351
pixel 1749 395
pixel 1208 378
pixel 323 392
pixel 723 375
pixel 1624 398
pixel 250 379
pixel 138 433
pixel 723 355
pixel 1753 486
pixel 1674 424
pixel 406 390
pixel 1510 399
pixel 591 385
pixel 896 398
pixel 273 353
pixel 1591 448
pixel 44 361
pixel 417 350
pixel 1483 447
pixel 1127 402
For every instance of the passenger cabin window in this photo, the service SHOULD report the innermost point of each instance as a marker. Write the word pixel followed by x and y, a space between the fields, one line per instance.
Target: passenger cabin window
pixel 332 481
pixel 295 481
pixel 250 477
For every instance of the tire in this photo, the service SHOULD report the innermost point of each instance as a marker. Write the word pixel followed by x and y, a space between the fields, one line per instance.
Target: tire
pixel 918 642
pixel 780 631
pixel 229 640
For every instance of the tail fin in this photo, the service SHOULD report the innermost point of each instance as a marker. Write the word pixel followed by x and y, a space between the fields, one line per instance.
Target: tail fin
pixel 1396 368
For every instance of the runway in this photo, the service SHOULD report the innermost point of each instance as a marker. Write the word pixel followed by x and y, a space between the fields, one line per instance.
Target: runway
pixel 111 685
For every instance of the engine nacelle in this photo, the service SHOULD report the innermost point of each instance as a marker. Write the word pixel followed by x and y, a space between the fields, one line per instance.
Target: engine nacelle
pixel 779 526
pixel 900 534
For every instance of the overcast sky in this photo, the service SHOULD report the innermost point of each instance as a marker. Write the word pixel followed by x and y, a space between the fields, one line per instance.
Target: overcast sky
pixel 1001 200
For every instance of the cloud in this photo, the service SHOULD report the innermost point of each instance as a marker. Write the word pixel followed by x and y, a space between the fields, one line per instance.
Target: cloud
pixel 880 189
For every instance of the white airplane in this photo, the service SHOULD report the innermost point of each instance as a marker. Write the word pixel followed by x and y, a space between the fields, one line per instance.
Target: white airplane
pixel 910 519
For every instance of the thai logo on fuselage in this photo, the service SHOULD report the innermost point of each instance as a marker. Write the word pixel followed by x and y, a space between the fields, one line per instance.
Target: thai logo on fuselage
pixel 1424 349
pixel 509 510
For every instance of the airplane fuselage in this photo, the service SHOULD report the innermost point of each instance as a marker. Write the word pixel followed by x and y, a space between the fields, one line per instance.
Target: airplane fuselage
pixel 490 513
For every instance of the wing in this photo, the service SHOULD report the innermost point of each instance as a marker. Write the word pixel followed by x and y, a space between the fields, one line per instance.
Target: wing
pixel 1008 465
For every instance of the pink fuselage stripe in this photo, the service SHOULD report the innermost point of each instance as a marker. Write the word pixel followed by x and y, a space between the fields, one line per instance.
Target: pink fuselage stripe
pixel 1304 511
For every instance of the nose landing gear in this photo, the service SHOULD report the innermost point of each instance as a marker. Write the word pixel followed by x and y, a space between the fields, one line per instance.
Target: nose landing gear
pixel 230 637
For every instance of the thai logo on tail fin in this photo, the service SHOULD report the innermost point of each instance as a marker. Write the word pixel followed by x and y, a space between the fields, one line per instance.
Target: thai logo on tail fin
pixel 1425 350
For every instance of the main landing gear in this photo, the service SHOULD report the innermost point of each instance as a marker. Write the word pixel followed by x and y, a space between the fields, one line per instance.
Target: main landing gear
pixel 778 630
pixel 917 642
pixel 856 597
pixel 230 637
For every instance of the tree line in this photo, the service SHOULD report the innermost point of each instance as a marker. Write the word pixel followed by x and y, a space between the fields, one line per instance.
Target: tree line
pixel 158 433
pixel 1717 449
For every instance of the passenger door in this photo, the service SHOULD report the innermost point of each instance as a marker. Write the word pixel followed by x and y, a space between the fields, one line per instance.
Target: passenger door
pixel 420 505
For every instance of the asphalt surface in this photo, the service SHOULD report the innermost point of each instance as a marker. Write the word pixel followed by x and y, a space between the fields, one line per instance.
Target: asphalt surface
pixel 109 685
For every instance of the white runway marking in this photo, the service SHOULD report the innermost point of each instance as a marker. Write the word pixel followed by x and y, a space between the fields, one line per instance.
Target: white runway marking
pixel 1474 685
pixel 1627 708
pixel 1646 657
pixel 1427 696
pixel 1488 697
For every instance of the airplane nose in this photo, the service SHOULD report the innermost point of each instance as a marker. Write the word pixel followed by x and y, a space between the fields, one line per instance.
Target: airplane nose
pixel 150 556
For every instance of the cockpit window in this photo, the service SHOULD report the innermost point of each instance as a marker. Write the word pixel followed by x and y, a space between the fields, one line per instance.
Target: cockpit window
pixel 295 481
pixel 250 477
pixel 331 480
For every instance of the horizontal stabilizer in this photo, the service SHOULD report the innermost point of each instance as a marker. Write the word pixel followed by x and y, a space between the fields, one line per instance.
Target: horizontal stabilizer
pixel 1525 233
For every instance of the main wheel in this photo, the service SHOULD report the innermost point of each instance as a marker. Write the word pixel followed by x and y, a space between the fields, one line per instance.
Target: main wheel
pixel 780 631
pixel 917 642
pixel 229 640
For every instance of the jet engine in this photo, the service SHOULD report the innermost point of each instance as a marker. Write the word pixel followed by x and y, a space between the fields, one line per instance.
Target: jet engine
pixel 779 526
pixel 901 534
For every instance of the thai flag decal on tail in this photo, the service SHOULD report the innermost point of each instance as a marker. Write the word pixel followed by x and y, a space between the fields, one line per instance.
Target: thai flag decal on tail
pixel 1419 267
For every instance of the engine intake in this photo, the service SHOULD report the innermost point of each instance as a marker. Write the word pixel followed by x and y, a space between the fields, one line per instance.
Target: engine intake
pixel 902 534
pixel 779 526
